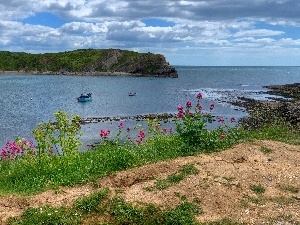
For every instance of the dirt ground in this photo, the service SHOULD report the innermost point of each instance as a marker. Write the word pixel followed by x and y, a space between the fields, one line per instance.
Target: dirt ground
pixel 222 187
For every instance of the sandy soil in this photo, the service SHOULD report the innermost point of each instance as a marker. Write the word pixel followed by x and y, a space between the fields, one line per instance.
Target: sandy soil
pixel 222 186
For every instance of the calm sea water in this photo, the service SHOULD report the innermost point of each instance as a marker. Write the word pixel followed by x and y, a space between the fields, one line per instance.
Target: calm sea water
pixel 29 99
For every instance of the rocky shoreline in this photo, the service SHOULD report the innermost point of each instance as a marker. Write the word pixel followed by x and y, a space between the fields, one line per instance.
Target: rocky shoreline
pixel 171 75
pixel 266 111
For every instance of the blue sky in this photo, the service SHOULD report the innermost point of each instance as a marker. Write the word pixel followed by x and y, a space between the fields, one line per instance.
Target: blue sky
pixel 186 32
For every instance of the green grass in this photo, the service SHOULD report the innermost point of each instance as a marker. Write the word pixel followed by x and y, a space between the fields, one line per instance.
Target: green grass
pixel 37 174
pixel 172 179
pixel 34 175
pixel 257 189
pixel 111 210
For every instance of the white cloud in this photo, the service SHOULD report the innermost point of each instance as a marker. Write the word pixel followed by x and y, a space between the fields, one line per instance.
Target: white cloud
pixel 209 25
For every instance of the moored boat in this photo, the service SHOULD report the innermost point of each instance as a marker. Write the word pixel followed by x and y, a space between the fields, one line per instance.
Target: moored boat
pixel 85 98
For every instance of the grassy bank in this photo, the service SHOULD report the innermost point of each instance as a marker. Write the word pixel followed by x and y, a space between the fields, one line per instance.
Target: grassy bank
pixel 34 173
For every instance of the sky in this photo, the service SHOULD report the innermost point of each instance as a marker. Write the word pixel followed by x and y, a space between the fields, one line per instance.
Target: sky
pixel 192 33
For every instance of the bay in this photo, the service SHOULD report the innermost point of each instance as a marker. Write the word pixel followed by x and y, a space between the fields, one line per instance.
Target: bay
pixel 28 99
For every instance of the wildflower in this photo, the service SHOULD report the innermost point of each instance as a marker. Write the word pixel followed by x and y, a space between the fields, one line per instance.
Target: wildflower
pixel 128 129
pixel 139 140
pixel 121 125
pixel 180 108
pixel 142 134
pixel 223 136
pixel 199 96
pixel 188 104
pixel 171 130
pixel 199 106
pixel 232 119
pixel 165 130
pixel 220 120
pixel 211 106
pixel 104 133
pixel 180 115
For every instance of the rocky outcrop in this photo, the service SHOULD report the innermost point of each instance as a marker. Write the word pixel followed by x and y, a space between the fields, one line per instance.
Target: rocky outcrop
pixel 89 62
pixel 267 112
pixel 142 64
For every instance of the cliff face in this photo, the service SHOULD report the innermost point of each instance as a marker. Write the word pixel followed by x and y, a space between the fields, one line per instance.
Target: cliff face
pixel 89 62
pixel 141 64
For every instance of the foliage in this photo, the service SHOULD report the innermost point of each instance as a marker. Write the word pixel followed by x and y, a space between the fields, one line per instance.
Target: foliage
pixel 257 189
pixel 81 60
pixel 172 179
pixel 61 135
pixel 115 210
pixel 191 127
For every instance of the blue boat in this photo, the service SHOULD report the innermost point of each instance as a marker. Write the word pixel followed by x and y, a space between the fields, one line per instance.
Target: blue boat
pixel 85 98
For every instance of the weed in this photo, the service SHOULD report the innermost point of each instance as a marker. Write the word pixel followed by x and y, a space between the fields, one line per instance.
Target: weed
pixel 257 189
pixel 266 150
pixel 289 188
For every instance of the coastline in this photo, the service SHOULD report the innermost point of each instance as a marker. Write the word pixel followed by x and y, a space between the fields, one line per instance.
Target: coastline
pixel 264 111
pixel 84 74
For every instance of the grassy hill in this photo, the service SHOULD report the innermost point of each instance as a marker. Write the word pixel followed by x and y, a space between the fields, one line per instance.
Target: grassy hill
pixel 88 61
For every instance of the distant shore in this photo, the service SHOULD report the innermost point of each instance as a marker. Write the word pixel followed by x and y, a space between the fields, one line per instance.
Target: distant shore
pixel 81 73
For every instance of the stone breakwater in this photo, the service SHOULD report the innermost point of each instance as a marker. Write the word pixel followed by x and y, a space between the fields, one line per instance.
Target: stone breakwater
pixel 161 116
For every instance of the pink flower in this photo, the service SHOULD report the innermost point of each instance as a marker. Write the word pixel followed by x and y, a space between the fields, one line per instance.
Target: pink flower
pixel 139 140
pixel 171 130
pixel 199 106
pixel 221 120
pixel 180 108
pixel 121 125
pixel 223 136
pixel 3 152
pixel 212 106
pixel 188 104
pixel 142 134
pixel 232 119
pixel 128 129
pixel 180 115
pixel 165 130
pixel 104 133
pixel 199 96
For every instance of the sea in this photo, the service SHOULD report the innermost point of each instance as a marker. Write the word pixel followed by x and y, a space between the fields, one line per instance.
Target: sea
pixel 29 99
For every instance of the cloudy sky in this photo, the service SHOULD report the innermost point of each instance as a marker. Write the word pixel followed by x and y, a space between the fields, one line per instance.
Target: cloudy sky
pixel 203 33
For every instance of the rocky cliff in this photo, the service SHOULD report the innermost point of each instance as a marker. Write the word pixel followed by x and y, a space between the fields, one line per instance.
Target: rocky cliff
pixel 142 64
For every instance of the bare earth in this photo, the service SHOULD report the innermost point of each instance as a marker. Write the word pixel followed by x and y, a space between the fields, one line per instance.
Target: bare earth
pixel 222 186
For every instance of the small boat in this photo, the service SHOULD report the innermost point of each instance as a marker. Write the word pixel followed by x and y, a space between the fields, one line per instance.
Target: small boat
pixel 85 98
pixel 132 94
